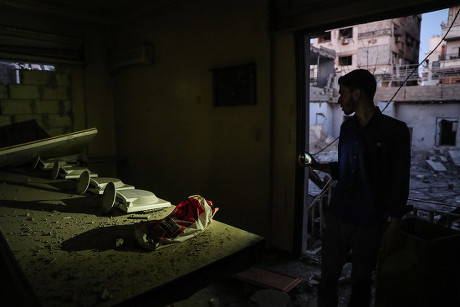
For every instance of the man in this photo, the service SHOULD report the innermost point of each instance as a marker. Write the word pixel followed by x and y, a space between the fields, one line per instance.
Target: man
pixel 372 176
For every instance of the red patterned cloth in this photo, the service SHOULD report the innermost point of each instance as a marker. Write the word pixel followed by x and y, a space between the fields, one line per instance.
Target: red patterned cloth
pixel 188 219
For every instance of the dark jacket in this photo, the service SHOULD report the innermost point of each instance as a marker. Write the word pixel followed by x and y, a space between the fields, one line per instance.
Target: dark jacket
pixel 384 164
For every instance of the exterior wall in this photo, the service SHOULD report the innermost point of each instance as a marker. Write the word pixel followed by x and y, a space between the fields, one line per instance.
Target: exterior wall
pixel 422 119
pixel 333 115
pixel 448 66
pixel 377 46
pixel 418 106
pixel 427 74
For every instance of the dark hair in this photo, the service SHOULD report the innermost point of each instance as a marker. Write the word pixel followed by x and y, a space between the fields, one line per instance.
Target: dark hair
pixel 360 79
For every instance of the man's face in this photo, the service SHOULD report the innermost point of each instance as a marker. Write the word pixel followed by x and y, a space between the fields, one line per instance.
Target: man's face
pixel 346 100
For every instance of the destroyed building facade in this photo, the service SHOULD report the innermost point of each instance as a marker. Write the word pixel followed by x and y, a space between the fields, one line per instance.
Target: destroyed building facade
pixel 389 49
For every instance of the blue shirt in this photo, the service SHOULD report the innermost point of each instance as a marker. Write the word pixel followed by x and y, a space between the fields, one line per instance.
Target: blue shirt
pixel 373 170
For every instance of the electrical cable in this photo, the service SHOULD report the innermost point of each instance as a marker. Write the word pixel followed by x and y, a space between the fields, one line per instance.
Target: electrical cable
pixel 405 80
pixel 416 67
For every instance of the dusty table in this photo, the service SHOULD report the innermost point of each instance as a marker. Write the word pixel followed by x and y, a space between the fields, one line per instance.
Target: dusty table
pixel 70 254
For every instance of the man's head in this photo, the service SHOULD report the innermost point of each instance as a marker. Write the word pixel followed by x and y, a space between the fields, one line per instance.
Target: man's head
pixel 358 86
pixel 360 79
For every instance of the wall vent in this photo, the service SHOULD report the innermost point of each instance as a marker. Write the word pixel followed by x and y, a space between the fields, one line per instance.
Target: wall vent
pixel 142 55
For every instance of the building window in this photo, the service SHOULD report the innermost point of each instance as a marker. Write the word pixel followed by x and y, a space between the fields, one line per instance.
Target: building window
pixel 346 33
pixel 320 119
pixel 345 60
pixel 326 37
pixel 9 71
pixel 409 39
pixel 446 131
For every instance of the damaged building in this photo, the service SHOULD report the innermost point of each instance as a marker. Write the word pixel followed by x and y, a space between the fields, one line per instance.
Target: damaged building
pixel 388 48
pixel 202 103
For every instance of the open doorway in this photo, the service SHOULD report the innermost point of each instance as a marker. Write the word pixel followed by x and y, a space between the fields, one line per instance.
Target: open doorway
pixel 392 50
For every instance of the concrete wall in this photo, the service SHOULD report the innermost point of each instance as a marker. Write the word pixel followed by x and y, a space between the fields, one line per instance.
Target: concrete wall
pixel 334 115
pixel 432 93
pixel 422 119
pixel 373 44
pixel 43 96
pixel 179 144
pixel 419 107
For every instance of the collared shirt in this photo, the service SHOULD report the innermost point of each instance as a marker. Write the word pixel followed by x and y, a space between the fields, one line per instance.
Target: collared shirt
pixel 373 170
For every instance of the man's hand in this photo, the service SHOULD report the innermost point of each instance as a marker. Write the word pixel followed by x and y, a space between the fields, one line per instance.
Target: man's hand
pixel 323 167
pixel 390 235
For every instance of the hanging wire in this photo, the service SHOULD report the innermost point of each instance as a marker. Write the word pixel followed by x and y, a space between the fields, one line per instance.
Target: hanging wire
pixel 416 68
pixel 405 80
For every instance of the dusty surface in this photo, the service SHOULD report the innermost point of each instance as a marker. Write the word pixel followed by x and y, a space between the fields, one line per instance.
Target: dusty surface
pixel 75 256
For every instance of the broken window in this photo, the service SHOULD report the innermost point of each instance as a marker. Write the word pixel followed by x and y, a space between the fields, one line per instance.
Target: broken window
pixel 396 30
pixel 9 71
pixel 345 60
pixel 346 33
pixel 409 39
pixel 446 131
pixel 320 119
pixel 326 37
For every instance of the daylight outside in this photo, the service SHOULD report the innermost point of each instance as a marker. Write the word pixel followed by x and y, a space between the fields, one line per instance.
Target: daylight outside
pixel 416 62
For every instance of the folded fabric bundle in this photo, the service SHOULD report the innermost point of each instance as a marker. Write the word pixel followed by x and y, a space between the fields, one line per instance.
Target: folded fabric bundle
pixel 188 219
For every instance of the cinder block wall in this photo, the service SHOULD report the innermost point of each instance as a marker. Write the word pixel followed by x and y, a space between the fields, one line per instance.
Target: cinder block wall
pixel 43 96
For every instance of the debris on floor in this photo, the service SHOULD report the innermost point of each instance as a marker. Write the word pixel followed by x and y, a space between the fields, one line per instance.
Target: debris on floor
pixel 270 298
pixel 270 279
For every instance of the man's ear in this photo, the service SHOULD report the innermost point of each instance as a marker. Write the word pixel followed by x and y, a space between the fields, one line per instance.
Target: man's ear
pixel 356 94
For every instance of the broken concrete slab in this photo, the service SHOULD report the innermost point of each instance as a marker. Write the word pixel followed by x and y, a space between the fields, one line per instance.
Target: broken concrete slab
pixel 436 166
pixel 455 156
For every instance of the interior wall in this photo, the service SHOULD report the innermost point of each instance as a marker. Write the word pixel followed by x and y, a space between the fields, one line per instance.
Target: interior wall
pixel 177 143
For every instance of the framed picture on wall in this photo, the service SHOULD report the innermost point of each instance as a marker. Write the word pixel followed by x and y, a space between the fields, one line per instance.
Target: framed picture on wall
pixel 234 86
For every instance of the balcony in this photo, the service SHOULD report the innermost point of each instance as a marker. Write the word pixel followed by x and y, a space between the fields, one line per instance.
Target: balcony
pixel 449 56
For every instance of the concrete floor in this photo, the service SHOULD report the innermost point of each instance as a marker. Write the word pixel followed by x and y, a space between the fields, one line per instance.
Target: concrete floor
pixel 234 293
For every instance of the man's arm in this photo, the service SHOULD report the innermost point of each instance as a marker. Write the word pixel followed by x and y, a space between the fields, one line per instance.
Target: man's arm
pixel 322 167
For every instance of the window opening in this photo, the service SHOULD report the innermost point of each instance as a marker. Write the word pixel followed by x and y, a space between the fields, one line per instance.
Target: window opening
pixel 446 131
pixel 326 37
pixel 346 33
pixel 346 60
pixel 9 71
pixel 320 119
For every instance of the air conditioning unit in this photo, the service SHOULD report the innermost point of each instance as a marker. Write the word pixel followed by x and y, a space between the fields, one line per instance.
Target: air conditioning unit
pixel 345 41
pixel 142 55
